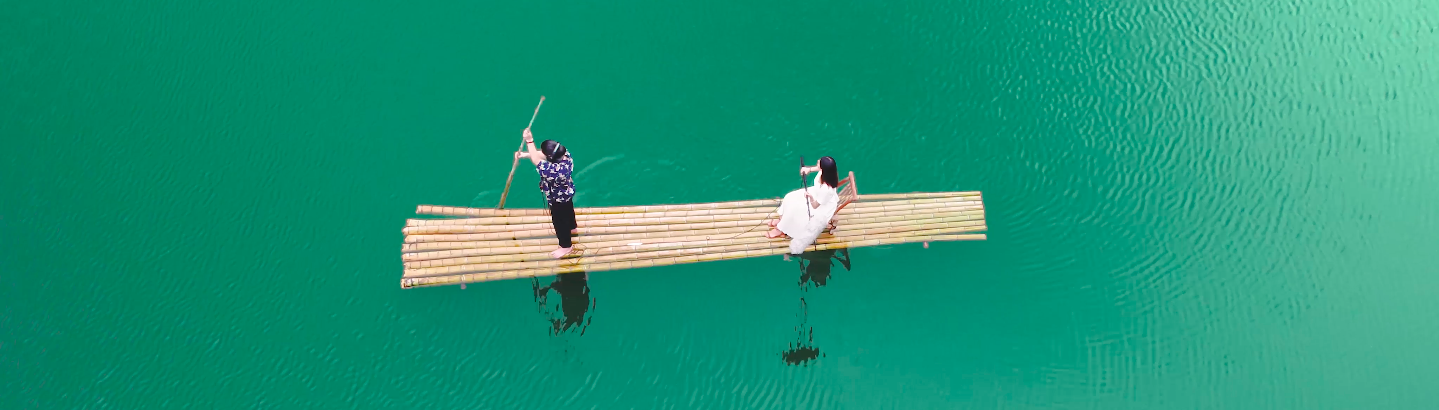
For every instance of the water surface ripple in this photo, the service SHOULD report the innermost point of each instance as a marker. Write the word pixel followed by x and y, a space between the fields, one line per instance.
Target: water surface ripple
pixel 1190 204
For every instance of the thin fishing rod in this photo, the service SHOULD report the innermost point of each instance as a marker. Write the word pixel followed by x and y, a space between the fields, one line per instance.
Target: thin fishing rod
pixel 805 186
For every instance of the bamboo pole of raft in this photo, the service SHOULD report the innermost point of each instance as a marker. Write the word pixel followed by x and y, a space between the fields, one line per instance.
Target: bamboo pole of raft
pixel 545 245
pixel 598 267
pixel 491 232
pixel 458 241
pixel 478 212
pixel 499 246
pixel 503 220
pixel 597 233
pixel 524 223
pixel 541 253
pixel 623 228
pixel 593 233
pixel 474 212
pixel 551 241
pixel 489 224
pixel 518 246
pixel 914 195
pixel 466 249
pixel 537 222
pixel 500 220
pixel 540 213
pixel 699 252
pixel 640 256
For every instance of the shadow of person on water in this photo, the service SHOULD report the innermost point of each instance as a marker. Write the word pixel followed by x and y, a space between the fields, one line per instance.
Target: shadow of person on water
pixel 815 269
pixel 801 351
pixel 575 302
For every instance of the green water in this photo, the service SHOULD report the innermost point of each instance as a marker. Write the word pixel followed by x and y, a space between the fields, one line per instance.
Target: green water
pixel 1191 205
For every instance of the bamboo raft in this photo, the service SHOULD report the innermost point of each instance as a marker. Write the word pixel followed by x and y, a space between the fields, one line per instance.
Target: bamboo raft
pixel 485 244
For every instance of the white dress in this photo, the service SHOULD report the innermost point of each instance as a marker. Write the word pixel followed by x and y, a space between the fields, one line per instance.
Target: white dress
pixel 800 226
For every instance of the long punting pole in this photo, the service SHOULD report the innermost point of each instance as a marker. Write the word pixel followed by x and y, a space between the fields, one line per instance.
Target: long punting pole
pixel 516 164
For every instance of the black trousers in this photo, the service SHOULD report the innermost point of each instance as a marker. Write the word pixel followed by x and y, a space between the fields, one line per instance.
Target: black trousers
pixel 562 214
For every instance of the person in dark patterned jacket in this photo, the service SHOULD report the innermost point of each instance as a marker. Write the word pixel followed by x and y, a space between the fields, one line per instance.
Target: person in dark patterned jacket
pixel 556 169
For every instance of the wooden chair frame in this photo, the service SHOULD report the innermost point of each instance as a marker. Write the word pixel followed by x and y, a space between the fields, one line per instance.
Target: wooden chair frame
pixel 847 194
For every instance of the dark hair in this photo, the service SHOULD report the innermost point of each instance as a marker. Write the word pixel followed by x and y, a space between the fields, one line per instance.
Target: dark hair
pixel 553 150
pixel 829 173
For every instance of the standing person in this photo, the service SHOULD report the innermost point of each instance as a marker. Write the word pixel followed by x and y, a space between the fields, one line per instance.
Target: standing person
pixel 556 167
pixel 822 199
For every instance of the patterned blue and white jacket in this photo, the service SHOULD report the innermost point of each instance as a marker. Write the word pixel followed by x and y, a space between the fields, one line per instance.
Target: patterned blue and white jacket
pixel 556 179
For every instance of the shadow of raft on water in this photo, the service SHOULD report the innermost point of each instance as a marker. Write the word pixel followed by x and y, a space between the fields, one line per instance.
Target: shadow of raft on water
pixel 815 269
pixel 575 302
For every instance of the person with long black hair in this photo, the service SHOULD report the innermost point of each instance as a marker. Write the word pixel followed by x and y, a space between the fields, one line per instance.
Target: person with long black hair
pixel 556 169
pixel 822 200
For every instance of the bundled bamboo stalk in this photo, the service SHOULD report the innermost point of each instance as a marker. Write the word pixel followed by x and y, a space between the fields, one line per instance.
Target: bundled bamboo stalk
pixel 617 247
pixel 529 223
pixel 494 244
pixel 551 241
pixel 707 249
pixel 477 212
pixel 545 230
pixel 857 206
pixel 501 220
pixel 540 252
pixel 913 195
pixel 597 267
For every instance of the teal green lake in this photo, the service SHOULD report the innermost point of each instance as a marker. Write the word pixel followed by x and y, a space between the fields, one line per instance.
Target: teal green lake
pixel 1190 205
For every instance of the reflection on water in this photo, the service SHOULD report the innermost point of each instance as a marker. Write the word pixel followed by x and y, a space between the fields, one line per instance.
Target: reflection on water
pixel 814 269
pixel 575 302
pixel 802 350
